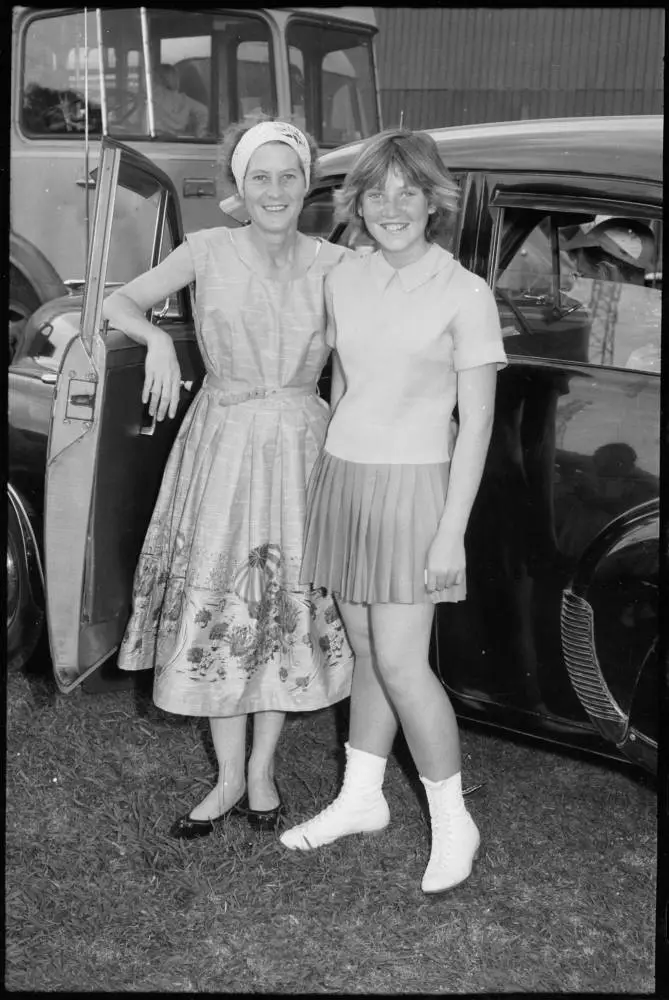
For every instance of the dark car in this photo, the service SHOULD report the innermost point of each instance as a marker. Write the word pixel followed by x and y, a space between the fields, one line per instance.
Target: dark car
pixel 558 638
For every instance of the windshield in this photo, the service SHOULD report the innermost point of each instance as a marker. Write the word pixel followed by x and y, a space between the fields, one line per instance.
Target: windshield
pixel 207 70
pixel 332 82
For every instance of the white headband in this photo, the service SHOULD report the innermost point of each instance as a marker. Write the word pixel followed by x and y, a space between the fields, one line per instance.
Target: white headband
pixel 264 132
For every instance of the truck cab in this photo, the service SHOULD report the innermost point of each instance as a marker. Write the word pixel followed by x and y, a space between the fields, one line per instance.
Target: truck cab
pixel 167 82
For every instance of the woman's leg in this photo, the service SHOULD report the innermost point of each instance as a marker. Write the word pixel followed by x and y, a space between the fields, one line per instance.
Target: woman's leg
pixel 229 736
pixel 401 641
pixel 360 806
pixel 267 728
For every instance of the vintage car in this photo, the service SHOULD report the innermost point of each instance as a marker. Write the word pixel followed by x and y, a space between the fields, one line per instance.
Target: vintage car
pixel 558 639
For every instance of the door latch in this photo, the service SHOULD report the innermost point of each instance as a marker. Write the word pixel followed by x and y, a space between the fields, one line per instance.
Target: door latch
pixel 80 399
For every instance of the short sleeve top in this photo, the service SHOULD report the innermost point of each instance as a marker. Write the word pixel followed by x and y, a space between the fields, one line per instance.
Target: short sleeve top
pixel 402 335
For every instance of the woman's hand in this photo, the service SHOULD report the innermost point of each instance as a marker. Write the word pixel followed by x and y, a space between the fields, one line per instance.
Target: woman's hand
pixel 446 562
pixel 162 379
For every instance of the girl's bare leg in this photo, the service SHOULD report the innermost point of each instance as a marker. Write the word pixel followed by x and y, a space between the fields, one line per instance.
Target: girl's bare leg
pixel 401 640
pixel 373 723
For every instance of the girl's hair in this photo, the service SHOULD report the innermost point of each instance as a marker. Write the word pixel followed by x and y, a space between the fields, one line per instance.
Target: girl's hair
pixel 233 134
pixel 416 156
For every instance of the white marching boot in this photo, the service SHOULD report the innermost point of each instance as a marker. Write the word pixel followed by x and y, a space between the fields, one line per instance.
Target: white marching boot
pixel 455 837
pixel 360 806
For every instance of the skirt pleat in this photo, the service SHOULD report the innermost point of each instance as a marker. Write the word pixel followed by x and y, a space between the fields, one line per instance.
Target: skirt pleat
pixel 369 529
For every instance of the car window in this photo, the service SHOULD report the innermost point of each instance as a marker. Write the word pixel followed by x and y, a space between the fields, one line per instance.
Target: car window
pixel 331 69
pixel 317 216
pixel 58 75
pixel 172 308
pixel 581 287
pixel 207 70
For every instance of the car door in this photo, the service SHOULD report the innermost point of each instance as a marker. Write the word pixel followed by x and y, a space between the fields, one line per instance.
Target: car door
pixel 105 456
pixel 575 445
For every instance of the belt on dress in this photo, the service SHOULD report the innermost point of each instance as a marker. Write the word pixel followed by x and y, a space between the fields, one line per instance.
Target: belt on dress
pixel 259 392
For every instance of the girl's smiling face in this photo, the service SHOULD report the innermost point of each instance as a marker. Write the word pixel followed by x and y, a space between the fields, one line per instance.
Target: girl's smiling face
pixel 396 215
pixel 274 187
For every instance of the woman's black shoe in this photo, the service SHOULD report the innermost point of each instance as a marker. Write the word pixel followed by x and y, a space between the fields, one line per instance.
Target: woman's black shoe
pixel 186 828
pixel 264 820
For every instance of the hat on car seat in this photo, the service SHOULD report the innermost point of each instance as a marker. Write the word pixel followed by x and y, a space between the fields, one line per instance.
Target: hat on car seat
pixel 629 241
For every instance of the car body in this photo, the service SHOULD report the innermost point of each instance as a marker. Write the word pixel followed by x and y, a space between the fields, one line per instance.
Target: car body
pixel 558 637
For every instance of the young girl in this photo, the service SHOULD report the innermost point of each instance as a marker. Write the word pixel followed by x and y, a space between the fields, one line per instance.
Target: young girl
pixel 390 496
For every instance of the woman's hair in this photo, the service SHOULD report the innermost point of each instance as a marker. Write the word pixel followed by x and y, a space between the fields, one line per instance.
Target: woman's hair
pixel 416 156
pixel 233 134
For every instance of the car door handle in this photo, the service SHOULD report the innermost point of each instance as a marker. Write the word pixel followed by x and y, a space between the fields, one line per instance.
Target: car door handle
pixel 199 187
pixel 85 182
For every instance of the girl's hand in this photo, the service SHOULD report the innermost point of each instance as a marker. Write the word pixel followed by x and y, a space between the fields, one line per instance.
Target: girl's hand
pixel 162 379
pixel 446 562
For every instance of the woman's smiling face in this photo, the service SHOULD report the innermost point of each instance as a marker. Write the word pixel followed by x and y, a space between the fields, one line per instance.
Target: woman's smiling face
pixel 396 215
pixel 274 187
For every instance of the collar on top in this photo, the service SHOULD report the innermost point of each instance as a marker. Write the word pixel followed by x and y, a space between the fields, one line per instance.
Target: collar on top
pixel 411 276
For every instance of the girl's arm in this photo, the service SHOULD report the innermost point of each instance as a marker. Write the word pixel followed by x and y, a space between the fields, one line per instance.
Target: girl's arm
pixel 337 384
pixel 337 381
pixel 125 309
pixel 476 403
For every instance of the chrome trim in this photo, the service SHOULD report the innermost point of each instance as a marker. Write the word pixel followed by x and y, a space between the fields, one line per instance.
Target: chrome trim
pixel 636 736
pixel 578 646
pixel 148 76
pixel 12 585
pixel 103 82
pixel 26 525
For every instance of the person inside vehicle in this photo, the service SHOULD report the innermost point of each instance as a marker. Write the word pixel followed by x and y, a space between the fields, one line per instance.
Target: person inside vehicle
pixel 611 262
pixel 413 332
pixel 174 112
pixel 613 249
pixel 218 608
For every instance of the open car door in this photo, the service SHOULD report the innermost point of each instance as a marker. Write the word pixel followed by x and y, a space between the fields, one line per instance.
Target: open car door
pixel 105 455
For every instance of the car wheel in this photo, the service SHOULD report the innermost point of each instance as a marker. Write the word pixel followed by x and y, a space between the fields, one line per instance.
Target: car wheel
pixel 23 301
pixel 25 619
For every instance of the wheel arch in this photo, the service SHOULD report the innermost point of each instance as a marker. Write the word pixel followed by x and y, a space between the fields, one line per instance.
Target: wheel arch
pixel 26 627
pixel 24 516
pixel 35 268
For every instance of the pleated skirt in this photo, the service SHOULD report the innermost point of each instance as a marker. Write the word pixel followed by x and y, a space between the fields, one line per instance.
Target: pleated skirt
pixel 369 528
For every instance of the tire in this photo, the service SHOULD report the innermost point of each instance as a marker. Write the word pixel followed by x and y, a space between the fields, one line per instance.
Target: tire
pixel 25 618
pixel 23 301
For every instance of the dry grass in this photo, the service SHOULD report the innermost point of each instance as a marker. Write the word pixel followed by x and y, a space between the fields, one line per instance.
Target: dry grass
pixel 100 898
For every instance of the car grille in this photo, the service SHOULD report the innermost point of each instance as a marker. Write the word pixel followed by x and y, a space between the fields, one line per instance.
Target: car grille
pixel 578 646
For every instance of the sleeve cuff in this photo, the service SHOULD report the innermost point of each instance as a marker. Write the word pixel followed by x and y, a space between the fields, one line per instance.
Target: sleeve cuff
pixel 493 354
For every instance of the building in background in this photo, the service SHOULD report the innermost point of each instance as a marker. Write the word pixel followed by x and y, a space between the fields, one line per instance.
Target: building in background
pixel 457 65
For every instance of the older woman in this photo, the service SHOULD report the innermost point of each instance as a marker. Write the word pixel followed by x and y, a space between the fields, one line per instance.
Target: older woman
pixel 218 607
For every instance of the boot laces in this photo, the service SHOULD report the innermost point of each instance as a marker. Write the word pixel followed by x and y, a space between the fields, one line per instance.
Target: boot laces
pixel 334 807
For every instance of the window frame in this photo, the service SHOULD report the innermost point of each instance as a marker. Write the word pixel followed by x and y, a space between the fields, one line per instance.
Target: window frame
pixel 555 204
pixel 314 96
pixel 257 17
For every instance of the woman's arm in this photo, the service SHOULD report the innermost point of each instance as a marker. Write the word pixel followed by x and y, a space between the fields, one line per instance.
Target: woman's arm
pixel 476 403
pixel 126 308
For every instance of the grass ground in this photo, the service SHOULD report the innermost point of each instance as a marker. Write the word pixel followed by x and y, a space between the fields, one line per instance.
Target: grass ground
pixel 100 898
